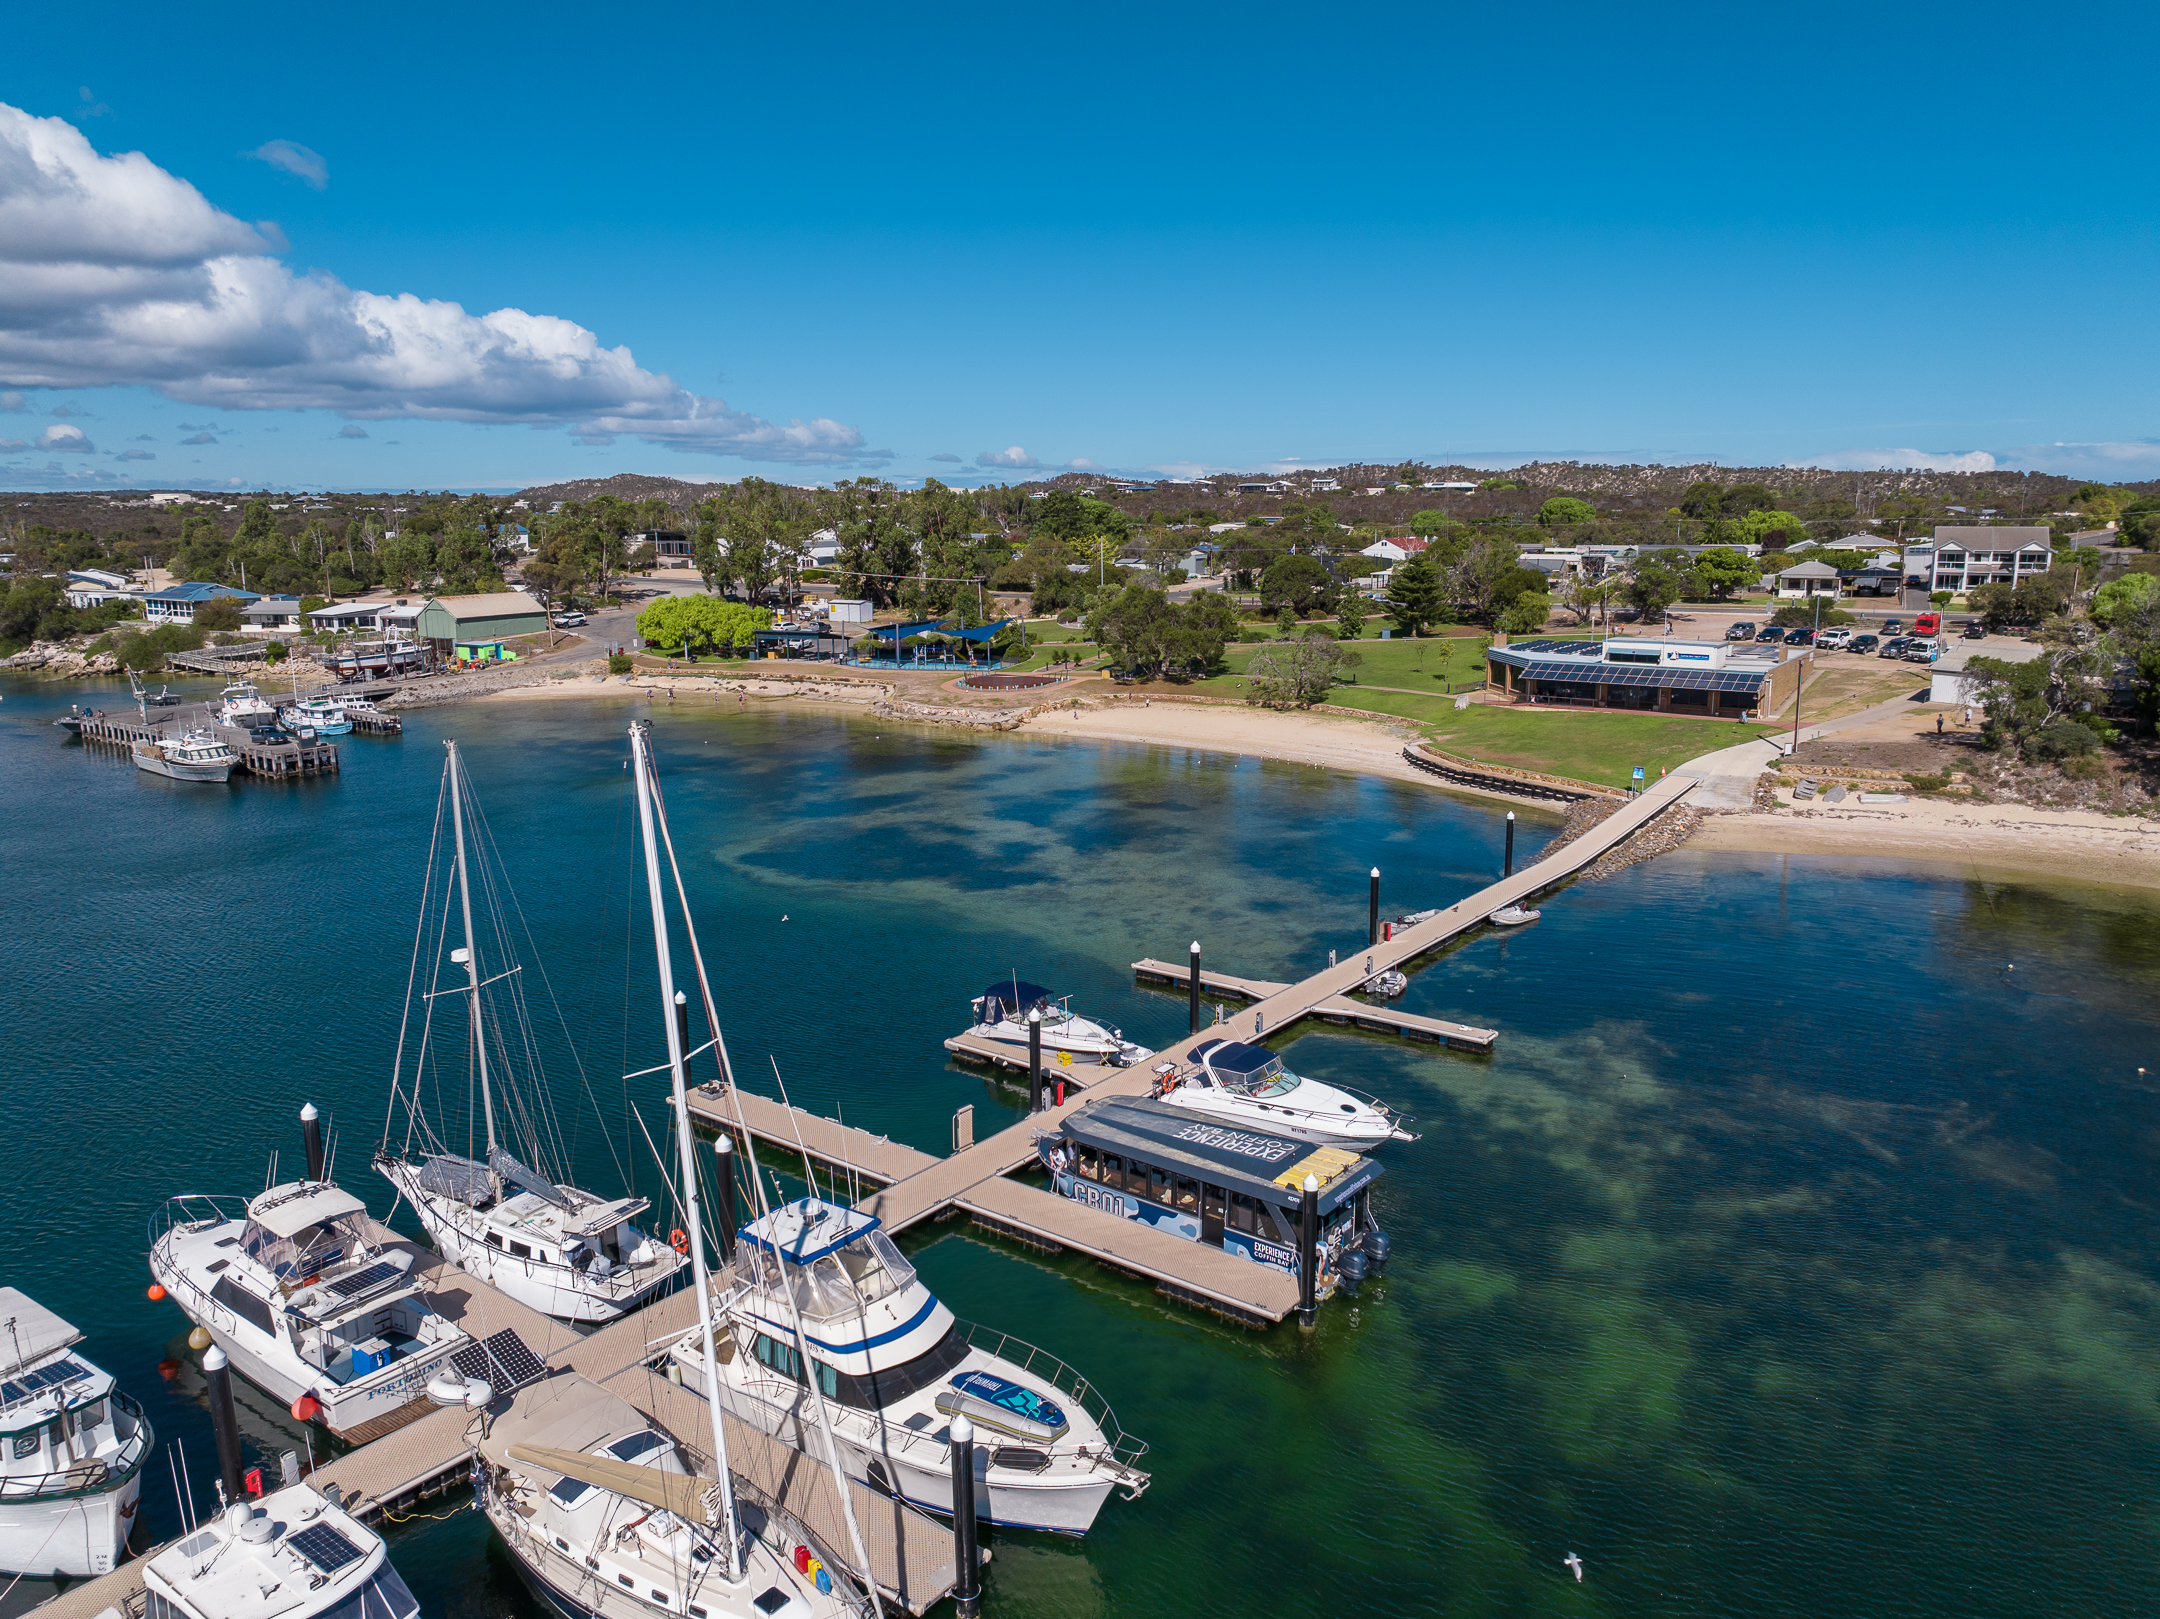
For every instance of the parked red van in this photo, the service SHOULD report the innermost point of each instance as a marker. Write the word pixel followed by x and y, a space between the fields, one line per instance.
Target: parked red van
pixel 1927 624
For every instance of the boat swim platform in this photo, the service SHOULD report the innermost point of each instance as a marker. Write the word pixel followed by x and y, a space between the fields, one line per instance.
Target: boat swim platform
pixel 429 1452
pixel 1339 1009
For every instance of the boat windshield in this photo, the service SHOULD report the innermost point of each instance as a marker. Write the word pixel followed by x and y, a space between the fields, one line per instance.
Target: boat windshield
pixel 305 1253
pixel 822 1289
pixel 875 1266
pixel 1273 1080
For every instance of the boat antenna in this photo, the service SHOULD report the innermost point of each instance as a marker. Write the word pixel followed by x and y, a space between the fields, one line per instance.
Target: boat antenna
pixel 472 956
pixel 808 1169
pixel 674 1011
pixel 188 1484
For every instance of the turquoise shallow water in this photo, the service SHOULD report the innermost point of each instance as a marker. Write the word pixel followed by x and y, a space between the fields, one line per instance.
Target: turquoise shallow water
pixel 1793 1255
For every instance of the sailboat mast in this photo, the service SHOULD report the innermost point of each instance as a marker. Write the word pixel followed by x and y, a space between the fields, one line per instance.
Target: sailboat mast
pixel 686 1143
pixel 472 956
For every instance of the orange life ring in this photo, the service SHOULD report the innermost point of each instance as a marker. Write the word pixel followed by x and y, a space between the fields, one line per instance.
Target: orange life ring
pixel 679 1241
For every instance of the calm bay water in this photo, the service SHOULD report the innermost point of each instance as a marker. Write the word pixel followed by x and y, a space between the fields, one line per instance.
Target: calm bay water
pixel 1793 1255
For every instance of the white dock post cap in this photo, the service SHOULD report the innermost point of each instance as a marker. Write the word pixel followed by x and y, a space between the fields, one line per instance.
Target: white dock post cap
pixel 1511 815
pixel 1035 1015
pixel 963 1431
pixel 1312 1183
pixel 214 1359
pixel 723 1146
pixel 1196 947
pixel 308 1115
pixel 1376 871
pixel 681 999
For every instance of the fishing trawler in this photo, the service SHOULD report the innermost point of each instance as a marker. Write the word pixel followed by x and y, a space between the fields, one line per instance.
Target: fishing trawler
pixel 559 1250
pixel 1237 1190
pixel 1248 1085
pixel 310 1298
pixel 893 1368
pixel 197 755
pixel 291 1555
pixel 71 1472
pixel 598 1509
pixel 1001 1013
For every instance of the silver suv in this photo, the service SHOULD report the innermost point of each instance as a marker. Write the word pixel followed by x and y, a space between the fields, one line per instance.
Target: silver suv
pixel 1835 638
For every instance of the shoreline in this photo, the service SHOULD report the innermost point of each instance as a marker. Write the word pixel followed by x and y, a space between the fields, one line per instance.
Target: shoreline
pixel 2011 839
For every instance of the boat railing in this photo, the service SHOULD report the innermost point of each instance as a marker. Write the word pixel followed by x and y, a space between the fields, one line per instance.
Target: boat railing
pixel 92 1473
pixel 1120 1447
pixel 192 1211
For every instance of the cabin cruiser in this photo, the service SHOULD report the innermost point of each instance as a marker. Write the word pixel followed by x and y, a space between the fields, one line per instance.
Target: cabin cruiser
pixel 291 1554
pixel 1248 1085
pixel 1001 1013
pixel 894 1367
pixel 240 704
pixel 71 1472
pixel 198 755
pixel 318 713
pixel 311 1299
pixel 556 1249
pixel 605 1520
pixel 1237 1190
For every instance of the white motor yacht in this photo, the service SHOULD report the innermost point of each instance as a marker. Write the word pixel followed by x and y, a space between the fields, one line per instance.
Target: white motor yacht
pixel 324 716
pixel 290 1555
pixel 310 1298
pixel 71 1472
pixel 550 1246
pixel 893 1367
pixel 198 755
pixel 240 704
pixel 1001 1013
pixel 1243 1084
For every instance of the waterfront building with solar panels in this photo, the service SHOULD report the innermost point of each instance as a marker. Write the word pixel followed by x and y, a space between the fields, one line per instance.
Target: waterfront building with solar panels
pixel 310 1298
pixel 291 1554
pixel 1712 679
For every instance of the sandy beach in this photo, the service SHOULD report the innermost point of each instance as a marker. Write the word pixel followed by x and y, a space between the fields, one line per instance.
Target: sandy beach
pixel 2010 838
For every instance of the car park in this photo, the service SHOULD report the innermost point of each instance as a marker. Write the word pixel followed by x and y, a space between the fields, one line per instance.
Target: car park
pixel 1742 631
pixel 1834 638
pixel 1863 644
pixel 1769 632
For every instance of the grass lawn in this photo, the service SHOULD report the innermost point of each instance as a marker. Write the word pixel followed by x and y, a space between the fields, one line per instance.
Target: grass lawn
pixel 1600 747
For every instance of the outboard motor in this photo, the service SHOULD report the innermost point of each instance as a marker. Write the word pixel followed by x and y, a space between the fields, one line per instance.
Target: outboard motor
pixel 1376 1246
pixel 1355 1268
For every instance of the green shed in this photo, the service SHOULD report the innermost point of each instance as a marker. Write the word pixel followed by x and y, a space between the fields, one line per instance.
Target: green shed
pixel 450 621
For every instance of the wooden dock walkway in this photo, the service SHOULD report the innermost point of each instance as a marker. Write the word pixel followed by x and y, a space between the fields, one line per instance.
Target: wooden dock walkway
pixel 838 1148
pixel 1336 1009
pixel 1077 1073
pixel 316 758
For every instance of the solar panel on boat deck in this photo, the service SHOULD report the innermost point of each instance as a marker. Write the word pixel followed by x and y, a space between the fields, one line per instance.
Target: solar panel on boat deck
pixel 63 1371
pixel 325 1547
pixel 361 1281
pixel 503 1360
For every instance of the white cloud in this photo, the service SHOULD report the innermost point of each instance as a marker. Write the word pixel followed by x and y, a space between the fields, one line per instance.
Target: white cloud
pixel 14 444
pixel 952 458
pixel 1900 460
pixel 1011 456
pixel 12 402
pixel 115 273
pixel 136 455
pixel 91 107
pixel 68 410
pixel 1083 464
pixel 200 438
pixel 295 159
pixel 64 437
pixel 352 430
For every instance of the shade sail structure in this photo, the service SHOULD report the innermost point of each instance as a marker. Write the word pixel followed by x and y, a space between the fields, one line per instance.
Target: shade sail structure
pixel 938 626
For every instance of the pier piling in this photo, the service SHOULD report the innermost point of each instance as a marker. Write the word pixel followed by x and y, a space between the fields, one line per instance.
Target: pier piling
pixel 724 1151
pixel 224 1421
pixel 1308 1284
pixel 967 1571
pixel 1035 1061
pixel 1372 935
pixel 1507 864
pixel 1192 1018
pixel 311 1135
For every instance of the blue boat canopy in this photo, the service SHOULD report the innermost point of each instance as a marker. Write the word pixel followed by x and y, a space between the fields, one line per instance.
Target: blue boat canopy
pixel 1013 997
pixel 1234 1057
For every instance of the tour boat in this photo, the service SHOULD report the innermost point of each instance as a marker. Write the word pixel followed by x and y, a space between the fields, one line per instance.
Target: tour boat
pixel 1001 1013
pixel 291 1554
pixel 240 704
pixel 550 1246
pixel 1513 916
pixel 198 755
pixel 310 1298
pixel 71 1473
pixel 320 713
pixel 1236 1190
pixel 1248 1085
pixel 894 1366
pixel 596 1506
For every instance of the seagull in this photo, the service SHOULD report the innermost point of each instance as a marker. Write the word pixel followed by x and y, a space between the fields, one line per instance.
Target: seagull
pixel 783 916
pixel 1575 1563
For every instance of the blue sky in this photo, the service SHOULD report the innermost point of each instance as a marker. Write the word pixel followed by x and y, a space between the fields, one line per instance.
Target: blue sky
pixel 851 240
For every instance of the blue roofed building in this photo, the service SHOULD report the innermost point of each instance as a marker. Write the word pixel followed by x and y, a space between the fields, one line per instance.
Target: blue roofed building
pixel 176 604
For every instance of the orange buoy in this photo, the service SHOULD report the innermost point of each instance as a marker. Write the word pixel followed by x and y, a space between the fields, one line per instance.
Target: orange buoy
pixel 306 1408
pixel 679 1240
pixel 157 1291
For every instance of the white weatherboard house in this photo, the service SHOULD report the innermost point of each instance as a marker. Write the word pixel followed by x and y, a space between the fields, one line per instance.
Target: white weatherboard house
pixel 1958 558
pixel 1805 580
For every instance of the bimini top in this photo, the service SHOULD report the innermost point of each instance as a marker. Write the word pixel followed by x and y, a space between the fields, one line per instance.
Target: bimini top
pixel 286 1211
pixel 1014 996
pixel 1272 1168
pixel 808 1228
pixel 37 1331
pixel 1234 1056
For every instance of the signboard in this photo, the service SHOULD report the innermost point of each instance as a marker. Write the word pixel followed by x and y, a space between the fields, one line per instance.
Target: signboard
pixel 1638 776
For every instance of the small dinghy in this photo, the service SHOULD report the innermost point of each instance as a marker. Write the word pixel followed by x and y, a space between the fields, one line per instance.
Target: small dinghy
pixel 1512 916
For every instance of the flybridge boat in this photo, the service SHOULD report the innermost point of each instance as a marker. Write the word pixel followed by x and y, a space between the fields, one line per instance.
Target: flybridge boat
pixel 1001 1013
pixel 1236 1190
pixel 1248 1085
pixel 550 1246
pixel 290 1555
pixel 197 755
pixel 71 1472
pixel 320 713
pixel 240 704
pixel 894 1367
pixel 309 1297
